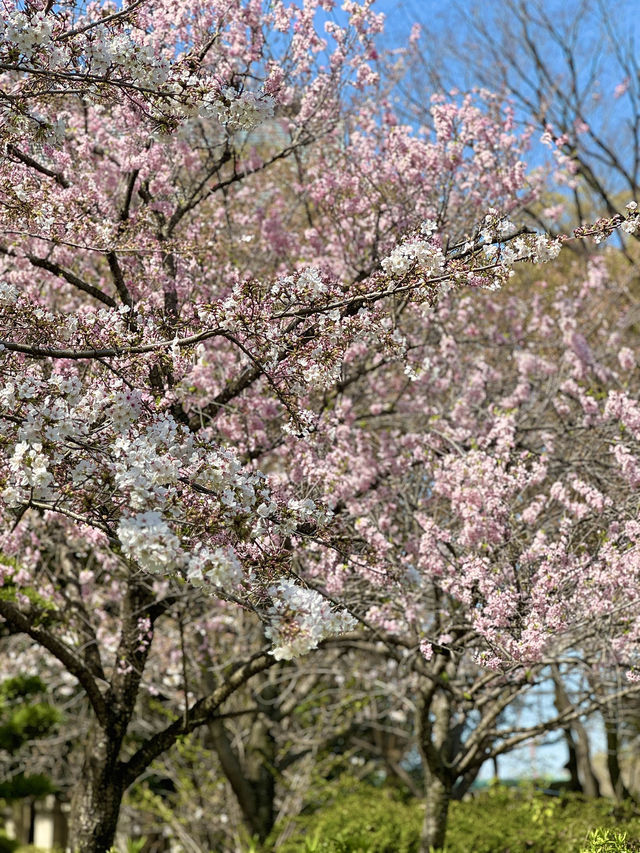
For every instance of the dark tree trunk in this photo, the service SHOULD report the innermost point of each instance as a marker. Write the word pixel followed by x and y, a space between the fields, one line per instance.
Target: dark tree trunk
pixel 252 780
pixel 620 790
pixel 572 762
pixel 96 802
pixel 463 783
pixel 97 798
pixel 261 772
pixel 590 784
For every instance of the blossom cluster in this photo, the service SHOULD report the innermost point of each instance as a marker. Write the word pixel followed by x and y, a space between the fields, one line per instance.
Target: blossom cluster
pixel 300 618
pixel 632 220
pixel 244 111
pixel 420 255
pixel 26 34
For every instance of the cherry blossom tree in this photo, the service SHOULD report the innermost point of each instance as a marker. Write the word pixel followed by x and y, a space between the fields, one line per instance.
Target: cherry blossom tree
pixel 212 225
pixel 489 525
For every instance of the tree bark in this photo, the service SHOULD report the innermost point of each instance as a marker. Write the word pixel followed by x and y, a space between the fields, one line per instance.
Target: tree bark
pixel 437 799
pixel 582 753
pixel 252 780
pixel 572 763
pixel 590 784
pixel 252 771
pixel 97 798
pixel 620 790
pixel 261 761
pixel 438 739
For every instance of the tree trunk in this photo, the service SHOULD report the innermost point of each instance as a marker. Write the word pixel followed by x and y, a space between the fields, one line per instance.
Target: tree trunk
pixel 96 801
pixel 253 779
pixel 620 790
pixel 578 737
pixel 261 759
pixel 590 784
pixel 572 763
pixel 463 783
pixel 437 799
pixel 438 741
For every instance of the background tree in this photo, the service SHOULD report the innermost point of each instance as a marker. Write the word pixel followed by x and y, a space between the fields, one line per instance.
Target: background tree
pixel 477 529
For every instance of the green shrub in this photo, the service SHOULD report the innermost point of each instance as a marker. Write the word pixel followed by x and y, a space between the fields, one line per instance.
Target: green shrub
pixel 25 715
pixel 7 845
pixel 361 818
pixel 506 820
pixel 370 820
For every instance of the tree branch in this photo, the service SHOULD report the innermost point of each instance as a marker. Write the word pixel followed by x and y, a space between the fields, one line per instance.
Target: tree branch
pixel 67 275
pixel 201 712
pixel 24 624
pixel 58 177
